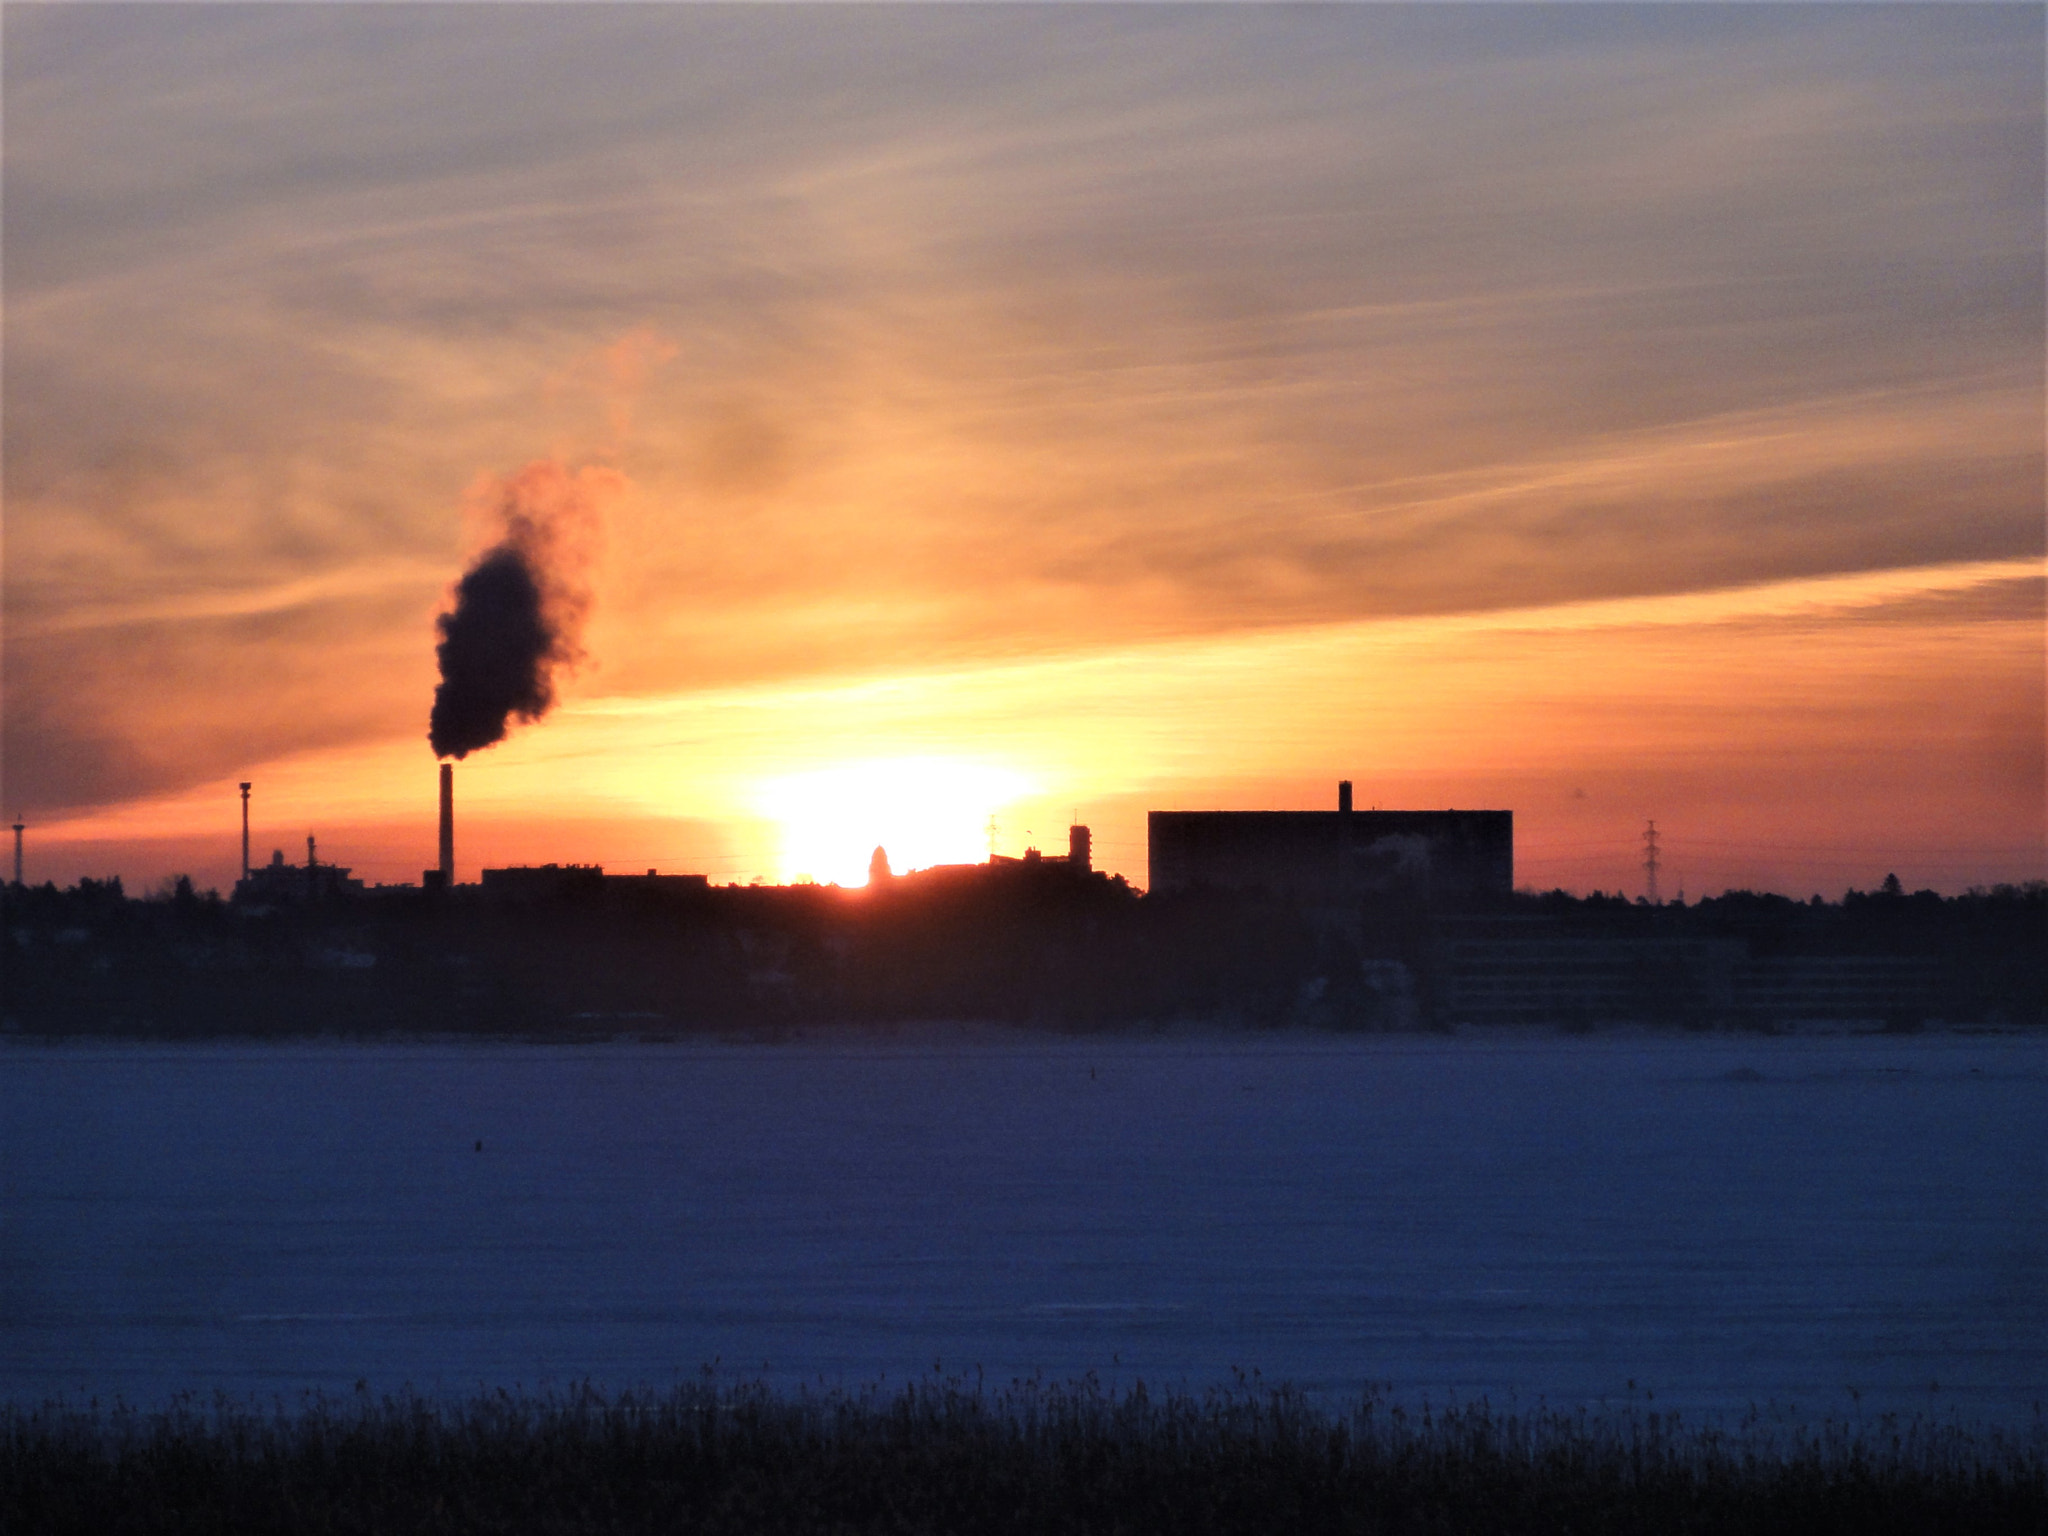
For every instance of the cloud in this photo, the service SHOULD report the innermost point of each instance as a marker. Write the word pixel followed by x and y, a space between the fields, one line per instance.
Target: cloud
pixel 629 363
pixel 114 712
pixel 936 336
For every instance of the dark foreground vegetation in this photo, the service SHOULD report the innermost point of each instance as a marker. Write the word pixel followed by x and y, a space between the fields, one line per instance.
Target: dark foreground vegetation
pixel 1011 944
pixel 947 1457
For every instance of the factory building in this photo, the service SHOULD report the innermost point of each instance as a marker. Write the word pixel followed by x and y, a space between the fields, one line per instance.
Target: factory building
pixel 1080 859
pixel 1078 863
pixel 278 884
pixel 1334 856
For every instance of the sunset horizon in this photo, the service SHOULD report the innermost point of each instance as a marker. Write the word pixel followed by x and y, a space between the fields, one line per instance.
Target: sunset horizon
pixel 980 420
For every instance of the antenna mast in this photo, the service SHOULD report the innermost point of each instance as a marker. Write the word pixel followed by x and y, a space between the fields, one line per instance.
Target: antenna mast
pixel 1650 864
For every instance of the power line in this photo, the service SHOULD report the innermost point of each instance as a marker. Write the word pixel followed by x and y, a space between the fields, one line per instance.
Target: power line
pixel 1960 849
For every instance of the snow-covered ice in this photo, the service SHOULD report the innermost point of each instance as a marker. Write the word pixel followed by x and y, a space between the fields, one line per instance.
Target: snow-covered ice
pixel 1845 1224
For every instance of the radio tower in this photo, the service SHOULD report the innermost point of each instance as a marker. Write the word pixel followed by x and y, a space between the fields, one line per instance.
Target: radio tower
pixel 1650 864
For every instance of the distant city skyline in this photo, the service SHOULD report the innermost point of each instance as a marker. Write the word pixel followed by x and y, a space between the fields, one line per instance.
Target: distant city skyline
pixel 1600 413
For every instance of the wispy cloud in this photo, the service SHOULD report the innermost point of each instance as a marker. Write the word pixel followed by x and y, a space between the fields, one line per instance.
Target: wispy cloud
pixel 407 576
pixel 939 338
pixel 1716 712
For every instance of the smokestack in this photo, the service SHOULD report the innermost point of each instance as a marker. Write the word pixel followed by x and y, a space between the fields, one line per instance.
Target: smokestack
pixel 1344 796
pixel 245 831
pixel 1079 851
pixel 447 826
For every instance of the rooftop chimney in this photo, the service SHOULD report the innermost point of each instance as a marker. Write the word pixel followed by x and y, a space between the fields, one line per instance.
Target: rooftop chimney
pixel 447 825
pixel 1344 796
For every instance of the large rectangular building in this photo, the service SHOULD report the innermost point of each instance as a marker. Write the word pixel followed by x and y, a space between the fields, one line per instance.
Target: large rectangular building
pixel 1340 855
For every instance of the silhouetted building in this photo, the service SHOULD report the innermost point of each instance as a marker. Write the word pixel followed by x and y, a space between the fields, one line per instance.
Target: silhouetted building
pixel 668 885
pixel 1534 970
pixel 1031 864
pixel 1077 858
pixel 278 884
pixel 1334 856
pixel 543 882
pixel 553 882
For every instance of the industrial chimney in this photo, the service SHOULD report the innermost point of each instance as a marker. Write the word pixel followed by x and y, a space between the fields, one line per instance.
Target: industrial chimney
pixel 447 826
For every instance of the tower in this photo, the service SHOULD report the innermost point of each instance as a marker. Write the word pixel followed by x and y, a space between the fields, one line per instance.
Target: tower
pixel 448 826
pixel 245 831
pixel 1650 864
pixel 19 827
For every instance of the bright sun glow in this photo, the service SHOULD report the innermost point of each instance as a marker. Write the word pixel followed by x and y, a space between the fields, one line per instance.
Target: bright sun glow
pixel 923 810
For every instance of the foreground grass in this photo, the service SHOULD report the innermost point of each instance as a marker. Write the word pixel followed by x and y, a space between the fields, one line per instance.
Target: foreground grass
pixel 945 1456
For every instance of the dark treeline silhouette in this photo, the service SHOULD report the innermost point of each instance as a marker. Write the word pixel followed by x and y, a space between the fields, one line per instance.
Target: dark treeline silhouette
pixel 1021 944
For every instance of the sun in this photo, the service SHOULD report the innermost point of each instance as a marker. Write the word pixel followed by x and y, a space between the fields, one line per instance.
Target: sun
pixel 923 810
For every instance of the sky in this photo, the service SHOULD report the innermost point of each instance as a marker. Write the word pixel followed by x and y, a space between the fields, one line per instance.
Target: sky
pixel 989 415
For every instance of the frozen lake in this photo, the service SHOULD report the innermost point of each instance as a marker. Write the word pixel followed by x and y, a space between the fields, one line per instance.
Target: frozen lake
pixel 1718 1220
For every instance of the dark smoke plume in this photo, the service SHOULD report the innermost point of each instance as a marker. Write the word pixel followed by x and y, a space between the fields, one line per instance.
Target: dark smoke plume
pixel 517 609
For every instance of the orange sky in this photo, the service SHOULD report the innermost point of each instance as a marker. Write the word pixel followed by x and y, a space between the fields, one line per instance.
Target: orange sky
pixel 1605 413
